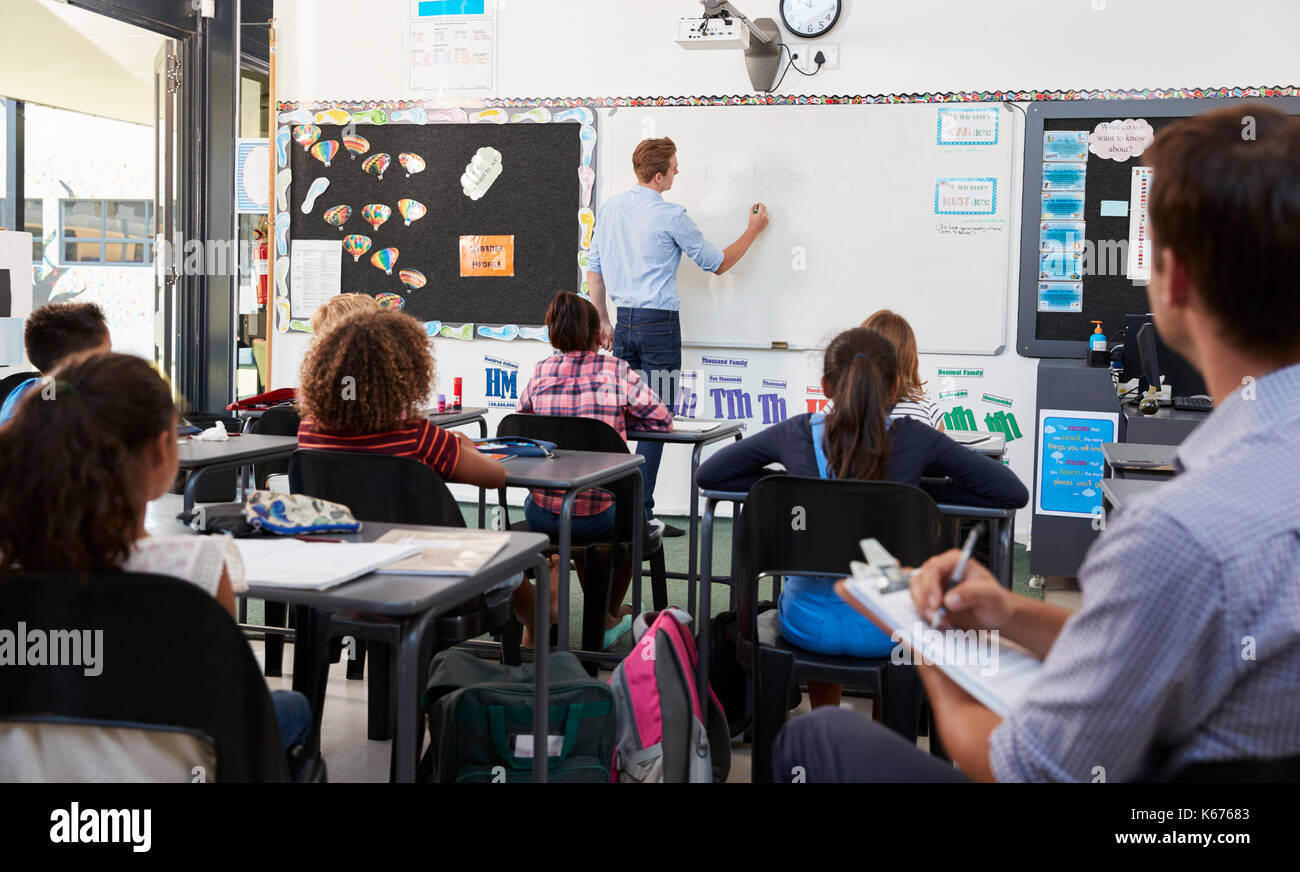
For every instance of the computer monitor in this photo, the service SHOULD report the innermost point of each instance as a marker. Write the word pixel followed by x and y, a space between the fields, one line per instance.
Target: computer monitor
pixel 1180 375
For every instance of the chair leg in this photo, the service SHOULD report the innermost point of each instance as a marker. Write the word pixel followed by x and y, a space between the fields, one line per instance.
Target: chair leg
pixel 658 581
pixel 379 720
pixel 900 700
pixel 512 634
pixel 357 666
pixel 598 579
pixel 275 615
pixel 775 675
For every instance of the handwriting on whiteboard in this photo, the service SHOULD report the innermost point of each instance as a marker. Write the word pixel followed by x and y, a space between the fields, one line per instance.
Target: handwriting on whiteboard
pixel 747 177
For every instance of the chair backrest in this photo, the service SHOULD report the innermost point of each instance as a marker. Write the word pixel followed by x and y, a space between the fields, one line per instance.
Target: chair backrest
pixel 275 421
pixel 9 382
pixel 574 433
pixel 793 525
pixel 208 683
pixel 376 487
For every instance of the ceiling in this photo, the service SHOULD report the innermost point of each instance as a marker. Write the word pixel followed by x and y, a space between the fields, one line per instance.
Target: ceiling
pixel 66 57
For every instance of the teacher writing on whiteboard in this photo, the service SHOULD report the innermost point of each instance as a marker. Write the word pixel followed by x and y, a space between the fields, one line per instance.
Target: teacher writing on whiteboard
pixel 638 244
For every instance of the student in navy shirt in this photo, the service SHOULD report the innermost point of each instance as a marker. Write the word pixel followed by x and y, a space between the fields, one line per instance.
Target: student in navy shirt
pixel 856 440
pixel 53 335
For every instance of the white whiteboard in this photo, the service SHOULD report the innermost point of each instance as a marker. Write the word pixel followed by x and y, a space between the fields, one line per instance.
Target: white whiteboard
pixel 850 192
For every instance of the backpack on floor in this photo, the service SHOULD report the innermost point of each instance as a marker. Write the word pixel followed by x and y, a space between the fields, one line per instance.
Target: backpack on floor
pixel 661 734
pixel 481 721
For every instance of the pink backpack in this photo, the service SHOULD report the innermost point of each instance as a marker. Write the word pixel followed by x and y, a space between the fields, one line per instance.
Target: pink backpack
pixel 661 734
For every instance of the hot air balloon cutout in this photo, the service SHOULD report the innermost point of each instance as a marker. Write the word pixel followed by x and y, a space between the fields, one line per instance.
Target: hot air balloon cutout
pixel 411 210
pixel 305 135
pixel 325 150
pixel 356 245
pixel 411 162
pixel 375 214
pixel 356 145
pixel 412 278
pixel 384 259
pixel 338 216
pixel 388 299
pixel 376 164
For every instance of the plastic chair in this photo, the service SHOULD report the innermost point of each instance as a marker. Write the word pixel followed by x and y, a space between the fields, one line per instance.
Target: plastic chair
pixel 834 516
pixel 9 382
pixel 398 490
pixel 276 421
pixel 587 434
pixel 208 685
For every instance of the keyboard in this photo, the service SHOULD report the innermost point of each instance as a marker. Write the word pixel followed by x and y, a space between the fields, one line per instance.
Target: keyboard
pixel 1193 404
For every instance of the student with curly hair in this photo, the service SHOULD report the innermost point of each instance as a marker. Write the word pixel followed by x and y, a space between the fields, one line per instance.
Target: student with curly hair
pixel 83 510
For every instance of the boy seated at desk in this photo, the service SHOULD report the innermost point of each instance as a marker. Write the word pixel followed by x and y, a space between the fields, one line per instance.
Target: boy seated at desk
pixel 54 334
pixel 1186 650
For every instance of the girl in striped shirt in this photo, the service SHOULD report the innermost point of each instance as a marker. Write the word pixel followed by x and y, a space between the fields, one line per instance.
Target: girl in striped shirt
pixel 913 401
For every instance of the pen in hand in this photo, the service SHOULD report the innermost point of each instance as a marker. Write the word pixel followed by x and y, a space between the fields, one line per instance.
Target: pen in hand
pixel 960 570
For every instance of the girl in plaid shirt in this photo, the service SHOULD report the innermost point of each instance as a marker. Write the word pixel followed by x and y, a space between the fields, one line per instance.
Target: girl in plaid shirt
pixel 578 380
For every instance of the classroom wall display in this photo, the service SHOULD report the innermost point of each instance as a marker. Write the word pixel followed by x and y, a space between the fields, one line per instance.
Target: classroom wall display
pixel 1084 249
pixel 466 219
pixel 1070 465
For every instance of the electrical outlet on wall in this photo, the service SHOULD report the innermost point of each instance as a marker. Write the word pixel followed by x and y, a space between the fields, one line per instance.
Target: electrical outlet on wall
pixel 803 59
pixel 831 51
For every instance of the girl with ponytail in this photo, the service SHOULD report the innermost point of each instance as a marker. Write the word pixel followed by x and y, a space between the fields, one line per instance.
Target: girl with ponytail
pixel 857 439
pixel 86 451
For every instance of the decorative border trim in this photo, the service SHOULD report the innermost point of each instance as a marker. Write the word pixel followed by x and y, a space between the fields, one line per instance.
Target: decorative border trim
pixel 835 100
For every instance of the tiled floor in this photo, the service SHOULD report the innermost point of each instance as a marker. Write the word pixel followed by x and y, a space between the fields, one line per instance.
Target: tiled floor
pixel 351 757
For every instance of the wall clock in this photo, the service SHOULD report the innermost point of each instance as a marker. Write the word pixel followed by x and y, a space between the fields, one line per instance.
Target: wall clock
pixel 810 18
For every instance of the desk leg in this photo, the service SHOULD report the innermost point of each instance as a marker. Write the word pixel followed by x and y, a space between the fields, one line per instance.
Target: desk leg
pixel 191 486
pixel 562 597
pixel 541 664
pixel 702 613
pixel 692 552
pixel 412 675
pixel 311 666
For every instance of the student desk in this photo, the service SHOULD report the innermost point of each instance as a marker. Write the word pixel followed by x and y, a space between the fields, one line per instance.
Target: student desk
pixel 573 472
pixel 238 452
pixel 724 430
pixel 414 602
pixel 1123 458
pixel 989 444
pixel 1115 492
pixel 457 418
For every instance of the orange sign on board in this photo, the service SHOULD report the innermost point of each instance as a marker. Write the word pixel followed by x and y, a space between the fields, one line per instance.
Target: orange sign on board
pixel 487 255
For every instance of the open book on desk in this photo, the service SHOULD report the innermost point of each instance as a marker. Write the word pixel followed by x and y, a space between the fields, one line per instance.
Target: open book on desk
pixel 993 670
pixel 438 552
pixel 690 425
pixel 289 562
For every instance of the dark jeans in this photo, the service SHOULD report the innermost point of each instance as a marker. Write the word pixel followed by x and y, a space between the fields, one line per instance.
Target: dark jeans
pixel 582 527
pixel 650 340
pixel 293 713
pixel 833 745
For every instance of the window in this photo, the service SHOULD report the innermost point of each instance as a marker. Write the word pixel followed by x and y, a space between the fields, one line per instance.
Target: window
pixel 105 231
pixel 33 223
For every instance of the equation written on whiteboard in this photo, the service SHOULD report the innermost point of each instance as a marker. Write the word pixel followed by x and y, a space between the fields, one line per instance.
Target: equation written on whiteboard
pixel 750 178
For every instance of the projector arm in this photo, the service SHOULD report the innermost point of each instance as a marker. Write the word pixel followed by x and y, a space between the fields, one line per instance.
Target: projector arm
pixel 723 8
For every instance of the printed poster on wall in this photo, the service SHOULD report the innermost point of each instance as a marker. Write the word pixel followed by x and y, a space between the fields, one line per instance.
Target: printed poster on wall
pixel 487 256
pixel 1139 231
pixel 1070 462
pixel 451 46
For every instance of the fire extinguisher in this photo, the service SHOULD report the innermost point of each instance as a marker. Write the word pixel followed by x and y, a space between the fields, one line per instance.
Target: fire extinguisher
pixel 261 265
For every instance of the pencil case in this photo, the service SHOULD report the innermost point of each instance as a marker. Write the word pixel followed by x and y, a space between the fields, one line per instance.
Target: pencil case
pixel 515 446
pixel 295 514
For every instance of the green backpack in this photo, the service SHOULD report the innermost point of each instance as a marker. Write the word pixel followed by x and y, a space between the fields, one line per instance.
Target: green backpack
pixel 481 721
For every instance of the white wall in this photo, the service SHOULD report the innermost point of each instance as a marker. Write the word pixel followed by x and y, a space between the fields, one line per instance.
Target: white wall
pixel 334 50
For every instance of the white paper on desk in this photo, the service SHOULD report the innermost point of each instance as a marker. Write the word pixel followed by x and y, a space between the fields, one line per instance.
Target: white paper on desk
pixel 997 673
pixel 685 426
pixel 314 565
pixel 315 274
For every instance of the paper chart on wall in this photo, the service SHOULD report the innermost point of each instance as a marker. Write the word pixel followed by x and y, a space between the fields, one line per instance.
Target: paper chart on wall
pixel 453 55
pixel 315 274
pixel 1139 230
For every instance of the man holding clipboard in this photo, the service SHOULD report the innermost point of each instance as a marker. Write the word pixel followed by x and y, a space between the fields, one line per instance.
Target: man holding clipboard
pixel 633 260
pixel 1183 662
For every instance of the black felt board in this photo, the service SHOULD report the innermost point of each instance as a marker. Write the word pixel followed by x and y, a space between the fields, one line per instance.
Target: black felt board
pixel 1106 298
pixel 535 199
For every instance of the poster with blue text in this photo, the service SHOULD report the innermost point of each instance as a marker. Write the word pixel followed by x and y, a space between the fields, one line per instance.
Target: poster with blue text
pixel 1070 462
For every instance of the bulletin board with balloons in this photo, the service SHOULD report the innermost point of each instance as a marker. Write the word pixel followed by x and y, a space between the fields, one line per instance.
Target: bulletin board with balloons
pixel 463 220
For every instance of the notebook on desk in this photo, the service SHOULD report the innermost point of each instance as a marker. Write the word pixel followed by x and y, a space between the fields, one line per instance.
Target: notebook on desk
pixel 462 552
pixel 686 425
pixel 997 673
pixel 314 565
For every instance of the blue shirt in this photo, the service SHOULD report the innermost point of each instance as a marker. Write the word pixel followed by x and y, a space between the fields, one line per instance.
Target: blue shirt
pixel 11 401
pixel 1187 645
pixel 638 245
